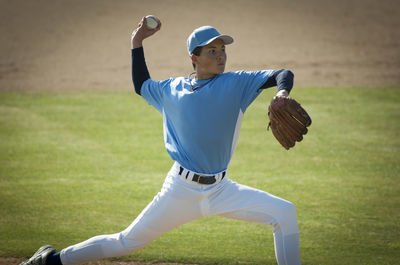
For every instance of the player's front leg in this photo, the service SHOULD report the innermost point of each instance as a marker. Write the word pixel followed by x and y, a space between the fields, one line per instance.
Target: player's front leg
pixel 241 202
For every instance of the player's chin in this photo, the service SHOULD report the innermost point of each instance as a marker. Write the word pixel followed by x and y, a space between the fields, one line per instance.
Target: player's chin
pixel 220 68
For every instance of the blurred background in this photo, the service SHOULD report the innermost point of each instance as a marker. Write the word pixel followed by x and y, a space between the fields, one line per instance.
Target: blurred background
pixel 56 45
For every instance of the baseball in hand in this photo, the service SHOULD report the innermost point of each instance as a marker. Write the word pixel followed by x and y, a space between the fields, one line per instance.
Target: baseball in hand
pixel 152 22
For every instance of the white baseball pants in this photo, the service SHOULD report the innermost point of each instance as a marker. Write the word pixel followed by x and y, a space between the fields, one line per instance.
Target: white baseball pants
pixel 182 200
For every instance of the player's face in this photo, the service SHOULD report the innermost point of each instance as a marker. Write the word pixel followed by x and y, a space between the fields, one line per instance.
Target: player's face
pixel 211 60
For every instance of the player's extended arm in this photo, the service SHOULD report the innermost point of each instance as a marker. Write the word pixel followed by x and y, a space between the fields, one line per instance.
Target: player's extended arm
pixel 140 72
pixel 283 79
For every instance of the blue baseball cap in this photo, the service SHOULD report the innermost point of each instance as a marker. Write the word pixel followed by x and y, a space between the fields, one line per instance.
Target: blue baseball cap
pixel 205 35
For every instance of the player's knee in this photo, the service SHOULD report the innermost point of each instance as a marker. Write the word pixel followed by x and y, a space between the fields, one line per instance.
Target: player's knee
pixel 133 239
pixel 288 211
pixel 290 208
pixel 129 245
pixel 287 219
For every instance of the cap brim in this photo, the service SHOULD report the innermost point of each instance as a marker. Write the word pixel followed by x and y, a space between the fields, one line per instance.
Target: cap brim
pixel 225 38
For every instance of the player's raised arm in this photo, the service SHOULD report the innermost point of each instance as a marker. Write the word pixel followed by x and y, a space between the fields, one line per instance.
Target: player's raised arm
pixel 147 27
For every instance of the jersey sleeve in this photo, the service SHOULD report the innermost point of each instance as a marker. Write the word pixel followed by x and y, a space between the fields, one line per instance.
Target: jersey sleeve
pixel 251 84
pixel 153 92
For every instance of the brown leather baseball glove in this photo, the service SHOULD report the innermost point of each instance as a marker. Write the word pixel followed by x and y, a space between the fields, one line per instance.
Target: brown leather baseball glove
pixel 288 121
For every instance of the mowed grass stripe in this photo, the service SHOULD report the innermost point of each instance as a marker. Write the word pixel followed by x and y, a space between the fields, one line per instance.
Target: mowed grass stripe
pixel 77 164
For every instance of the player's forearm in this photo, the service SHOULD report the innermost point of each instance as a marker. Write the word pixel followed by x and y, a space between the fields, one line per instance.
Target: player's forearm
pixel 137 39
pixel 283 79
pixel 136 43
pixel 140 72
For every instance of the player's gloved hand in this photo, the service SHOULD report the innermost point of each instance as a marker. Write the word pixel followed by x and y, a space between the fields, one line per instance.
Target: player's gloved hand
pixel 142 32
pixel 288 120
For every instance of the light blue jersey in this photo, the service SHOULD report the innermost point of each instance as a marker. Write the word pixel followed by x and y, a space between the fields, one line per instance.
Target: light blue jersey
pixel 201 127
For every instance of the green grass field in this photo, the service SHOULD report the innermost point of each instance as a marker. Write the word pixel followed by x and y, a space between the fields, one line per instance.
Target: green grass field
pixel 75 164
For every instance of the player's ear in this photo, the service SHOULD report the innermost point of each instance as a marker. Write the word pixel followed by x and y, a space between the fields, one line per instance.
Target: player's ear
pixel 194 59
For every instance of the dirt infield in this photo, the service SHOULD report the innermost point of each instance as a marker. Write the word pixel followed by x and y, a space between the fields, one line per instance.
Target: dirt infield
pixel 54 45
pixel 17 261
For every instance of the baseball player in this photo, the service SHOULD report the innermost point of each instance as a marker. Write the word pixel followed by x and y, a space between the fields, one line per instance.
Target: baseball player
pixel 202 116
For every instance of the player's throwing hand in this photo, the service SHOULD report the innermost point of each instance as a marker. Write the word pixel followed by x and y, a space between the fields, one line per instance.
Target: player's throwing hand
pixel 143 32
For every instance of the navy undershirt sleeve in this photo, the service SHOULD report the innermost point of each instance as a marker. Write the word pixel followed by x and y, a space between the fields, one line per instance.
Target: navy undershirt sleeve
pixel 283 79
pixel 140 73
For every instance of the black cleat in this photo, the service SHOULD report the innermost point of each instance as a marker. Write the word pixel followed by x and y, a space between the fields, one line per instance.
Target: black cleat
pixel 40 257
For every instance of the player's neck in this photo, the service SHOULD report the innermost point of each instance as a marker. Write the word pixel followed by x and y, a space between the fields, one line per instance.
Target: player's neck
pixel 203 76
